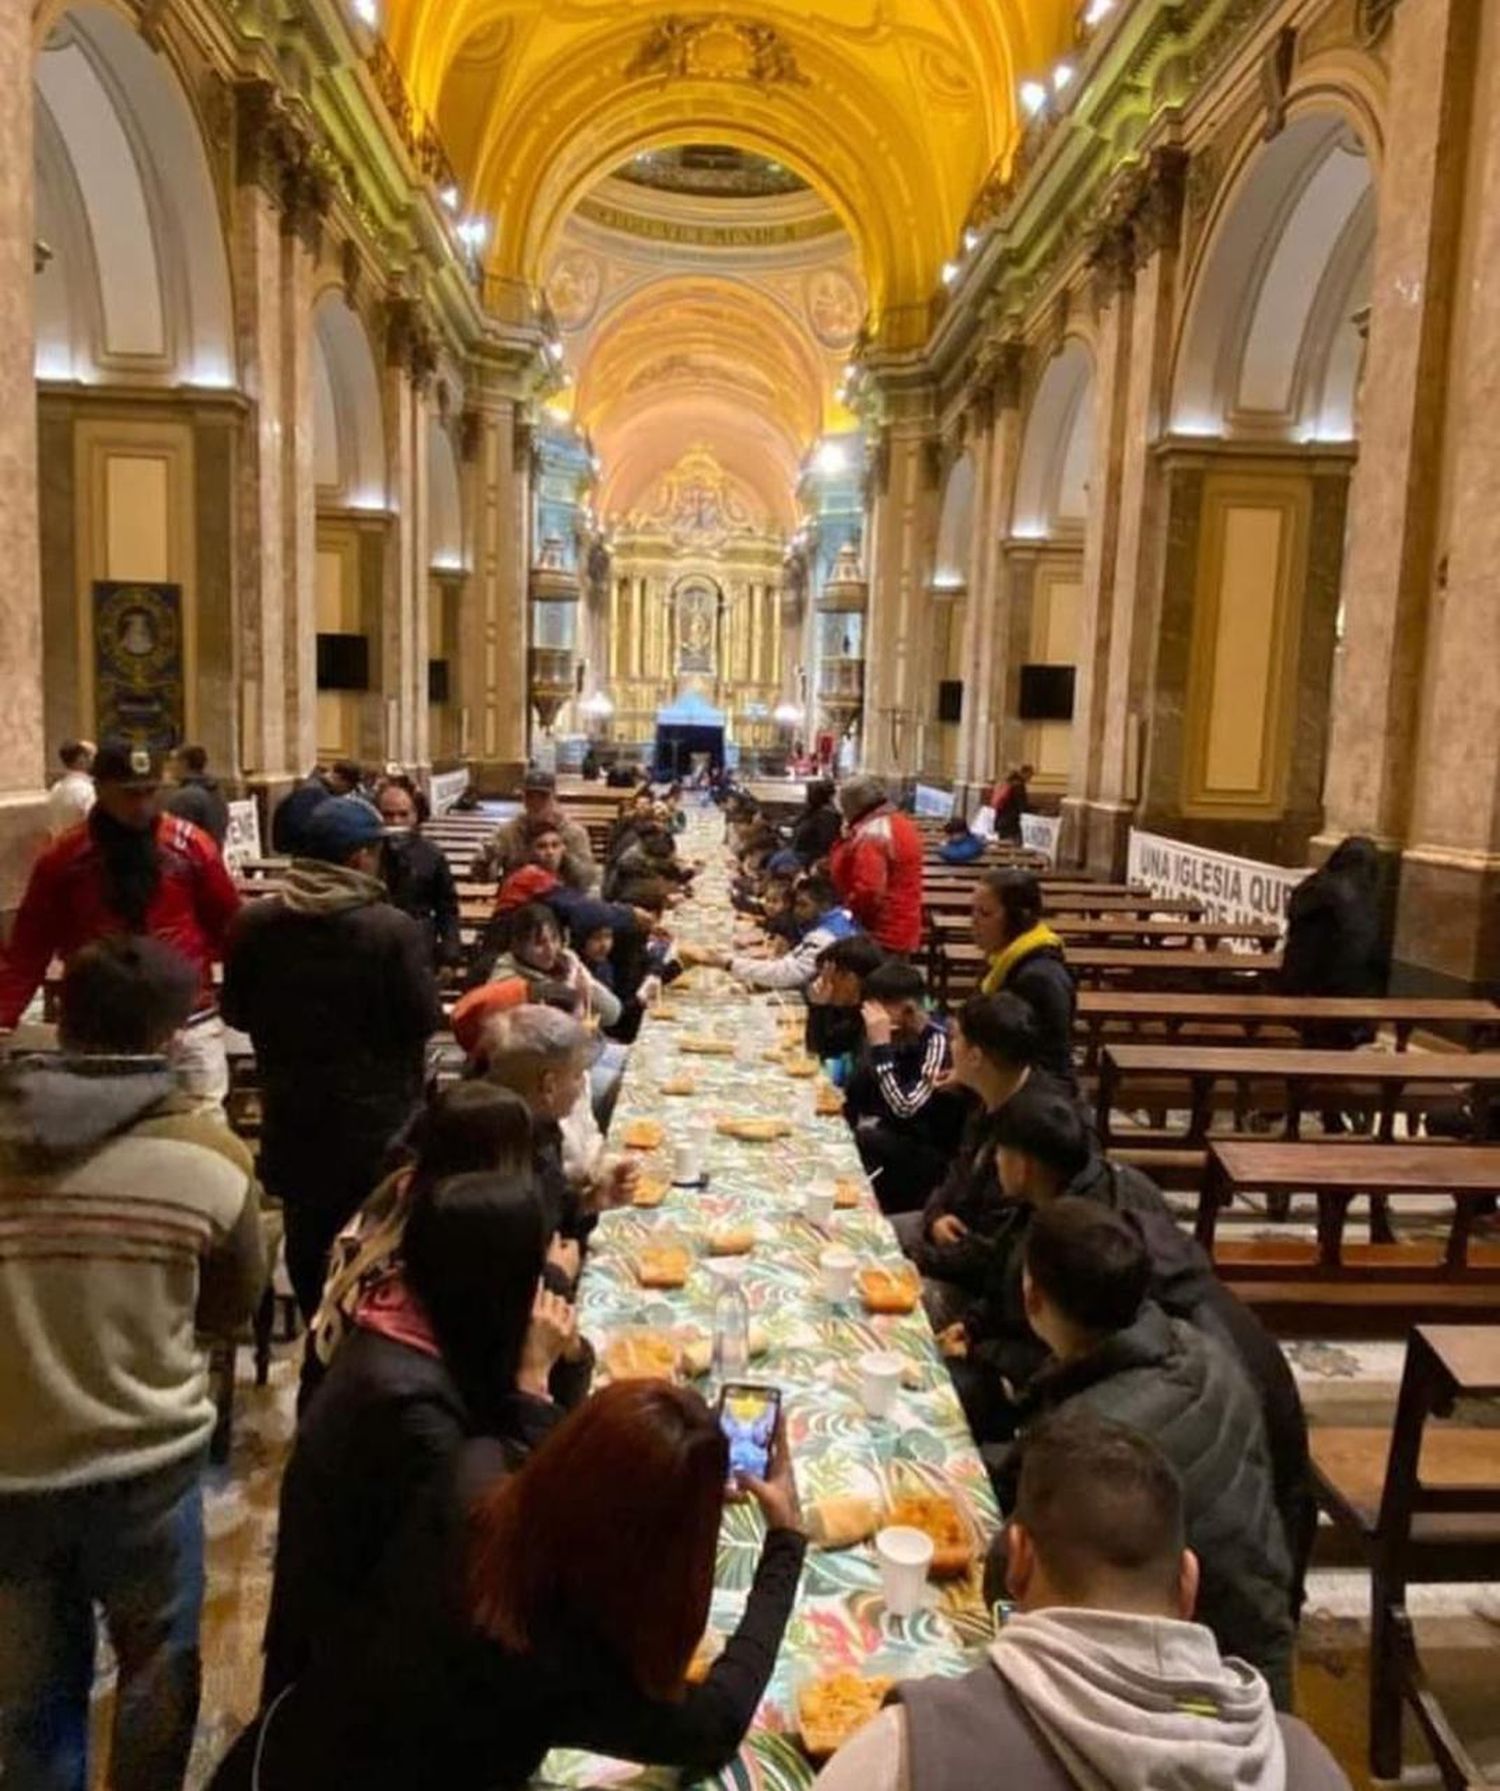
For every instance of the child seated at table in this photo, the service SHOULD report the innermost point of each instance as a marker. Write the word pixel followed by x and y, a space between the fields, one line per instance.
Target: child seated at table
pixel 906 1123
pixel 1114 1353
pixel 961 845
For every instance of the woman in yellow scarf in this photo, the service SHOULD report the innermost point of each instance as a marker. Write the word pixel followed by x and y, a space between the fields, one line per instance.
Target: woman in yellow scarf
pixel 1026 958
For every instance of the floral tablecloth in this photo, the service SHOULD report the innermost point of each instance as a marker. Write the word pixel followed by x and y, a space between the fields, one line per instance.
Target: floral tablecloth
pixel 837 1450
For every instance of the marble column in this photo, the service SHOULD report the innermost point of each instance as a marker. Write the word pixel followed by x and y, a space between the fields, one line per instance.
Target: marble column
pixel 299 503
pixel 23 752
pixel 1448 918
pixel 278 206
pixel 1090 825
pixel 410 360
pixel 493 627
pixel 901 536
pixel 996 415
pixel 1388 584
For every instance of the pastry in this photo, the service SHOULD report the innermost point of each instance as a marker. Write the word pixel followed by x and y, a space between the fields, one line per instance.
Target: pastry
pixel 651 1190
pixel 829 1102
pixel 941 1519
pixel 803 1068
pixel 753 1131
pixel 644 1134
pixel 732 1240
pixel 700 1045
pixel 642 1356
pixel 663 1265
pixel 840 1523
pixel 833 1708
pixel 679 1085
pixel 776 1054
pixel 664 1012
pixel 889 1290
pixel 847 1191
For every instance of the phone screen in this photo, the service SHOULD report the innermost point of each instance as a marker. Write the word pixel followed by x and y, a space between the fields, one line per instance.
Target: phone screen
pixel 747 1416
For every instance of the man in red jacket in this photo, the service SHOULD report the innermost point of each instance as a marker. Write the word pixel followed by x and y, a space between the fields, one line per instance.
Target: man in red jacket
pixel 129 869
pixel 877 866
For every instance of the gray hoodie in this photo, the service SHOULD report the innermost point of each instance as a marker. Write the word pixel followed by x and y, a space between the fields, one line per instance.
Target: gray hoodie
pixel 1097 1700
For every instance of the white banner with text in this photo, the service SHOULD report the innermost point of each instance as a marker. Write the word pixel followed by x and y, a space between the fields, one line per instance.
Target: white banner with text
pixel 242 841
pixel 447 787
pixel 1229 888
pixel 1039 833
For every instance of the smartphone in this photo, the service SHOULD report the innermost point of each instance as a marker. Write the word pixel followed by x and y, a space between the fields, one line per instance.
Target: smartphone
pixel 748 1416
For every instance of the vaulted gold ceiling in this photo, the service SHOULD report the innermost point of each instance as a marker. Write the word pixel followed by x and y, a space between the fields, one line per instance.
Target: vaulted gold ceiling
pixel 895 110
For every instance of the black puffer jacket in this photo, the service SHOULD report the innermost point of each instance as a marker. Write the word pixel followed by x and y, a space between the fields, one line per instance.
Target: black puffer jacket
pixel 1003 1341
pixel 421 885
pixel 387 1419
pixel 340 1007
pixel 1164 1378
pixel 814 831
pixel 1333 940
pixel 1044 982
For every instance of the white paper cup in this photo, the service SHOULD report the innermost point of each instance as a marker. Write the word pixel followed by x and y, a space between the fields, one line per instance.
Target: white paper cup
pixel 838 1268
pixel 880 1372
pixel 904 1555
pixel 687 1161
pixel 817 1206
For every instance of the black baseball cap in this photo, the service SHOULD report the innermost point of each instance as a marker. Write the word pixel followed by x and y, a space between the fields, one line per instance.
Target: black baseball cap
pixel 129 763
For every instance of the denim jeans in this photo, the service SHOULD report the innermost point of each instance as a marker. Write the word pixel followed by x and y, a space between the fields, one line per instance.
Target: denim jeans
pixel 134 1549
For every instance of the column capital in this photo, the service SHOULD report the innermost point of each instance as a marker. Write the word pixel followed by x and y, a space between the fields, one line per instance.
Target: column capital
pixel 279 153
pixel 410 341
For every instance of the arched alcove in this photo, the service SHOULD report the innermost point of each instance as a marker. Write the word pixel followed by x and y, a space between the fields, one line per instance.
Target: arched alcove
pixel 951 569
pixel 1271 346
pixel 1052 478
pixel 348 422
pixel 445 504
pixel 136 286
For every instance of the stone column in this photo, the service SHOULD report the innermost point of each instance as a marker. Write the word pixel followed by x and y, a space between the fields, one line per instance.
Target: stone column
pixel 23 752
pixel 995 414
pixel 299 503
pixel 1393 528
pixel 901 535
pixel 410 360
pixel 492 628
pixel 1152 215
pixel 1448 918
pixel 1090 828
pixel 279 202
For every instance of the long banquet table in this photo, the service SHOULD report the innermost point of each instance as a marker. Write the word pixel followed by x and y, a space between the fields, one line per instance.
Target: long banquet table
pixel 839 1620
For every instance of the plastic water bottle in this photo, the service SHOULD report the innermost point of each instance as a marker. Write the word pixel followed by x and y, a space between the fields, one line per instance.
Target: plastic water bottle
pixel 731 1331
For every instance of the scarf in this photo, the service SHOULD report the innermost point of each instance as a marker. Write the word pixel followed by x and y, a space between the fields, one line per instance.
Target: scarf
pixel 392 1310
pixel 1142 1703
pixel 364 1254
pixel 1040 938
pixel 312 887
pixel 131 863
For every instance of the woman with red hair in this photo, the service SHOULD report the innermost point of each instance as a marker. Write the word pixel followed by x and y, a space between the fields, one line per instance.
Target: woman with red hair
pixel 560 1606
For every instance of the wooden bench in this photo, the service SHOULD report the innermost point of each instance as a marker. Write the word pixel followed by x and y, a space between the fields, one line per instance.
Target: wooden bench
pixel 1268 1019
pixel 1290 1082
pixel 959 968
pixel 1422 1504
pixel 1127 929
pixel 1339 1173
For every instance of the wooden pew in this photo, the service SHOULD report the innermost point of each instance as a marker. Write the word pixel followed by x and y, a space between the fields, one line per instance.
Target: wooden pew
pixel 1422 1504
pixel 1289 1271
pixel 1128 929
pixel 959 969
pixel 1133 1016
pixel 1288 1082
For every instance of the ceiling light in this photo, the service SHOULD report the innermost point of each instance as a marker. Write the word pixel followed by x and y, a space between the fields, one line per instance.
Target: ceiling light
pixel 1061 76
pixel 831 458
pixel 450 197
pixel 368 11
pixel 474 233
pixel 951 271
pixel 971 240
pixel 1098 11
pixel 1033 96
pixel 555 351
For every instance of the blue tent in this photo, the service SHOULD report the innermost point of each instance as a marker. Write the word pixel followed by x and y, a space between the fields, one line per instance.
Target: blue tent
pixel 685 728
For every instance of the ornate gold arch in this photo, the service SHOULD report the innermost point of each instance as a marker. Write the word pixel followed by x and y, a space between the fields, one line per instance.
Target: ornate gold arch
pixel 895 110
